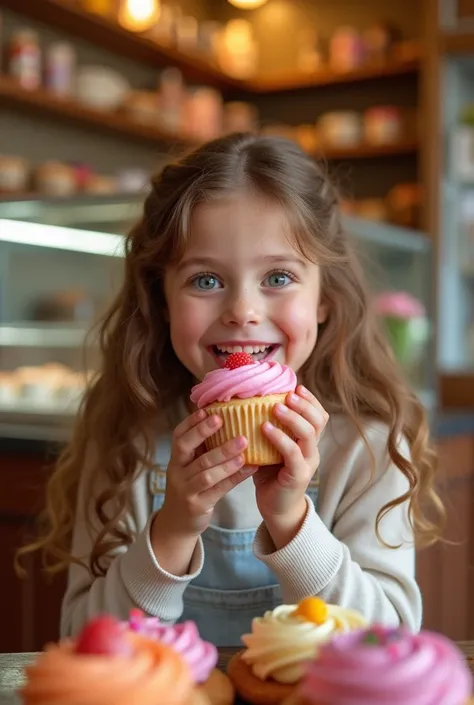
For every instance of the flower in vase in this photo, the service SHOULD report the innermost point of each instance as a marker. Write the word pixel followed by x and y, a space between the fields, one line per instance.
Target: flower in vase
pixel 406 324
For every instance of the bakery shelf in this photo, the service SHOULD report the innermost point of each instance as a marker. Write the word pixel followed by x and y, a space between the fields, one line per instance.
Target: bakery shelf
pixel 106 33
pixel 113 122
pixel 41 101
pixel 41 335
pixel 70 18
pixel 293 81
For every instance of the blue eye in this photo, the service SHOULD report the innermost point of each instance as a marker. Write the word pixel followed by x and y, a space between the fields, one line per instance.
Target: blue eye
pixel 277 280
pixel 206 282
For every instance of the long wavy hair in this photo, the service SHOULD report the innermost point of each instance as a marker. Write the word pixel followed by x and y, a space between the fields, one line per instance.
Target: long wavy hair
pixel 351 369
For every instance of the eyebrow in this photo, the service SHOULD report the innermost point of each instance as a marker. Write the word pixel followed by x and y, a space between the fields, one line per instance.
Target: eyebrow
pixel 211 262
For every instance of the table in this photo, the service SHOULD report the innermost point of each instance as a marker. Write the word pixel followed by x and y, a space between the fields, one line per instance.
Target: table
pixel 11 670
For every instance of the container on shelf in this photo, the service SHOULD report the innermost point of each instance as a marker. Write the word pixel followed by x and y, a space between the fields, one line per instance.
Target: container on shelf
pixel 383 124
pixel 24 59
pixel 14 174
pixel 100 88
pixel 60 63
pixel 54 178
pixel 341 129
pixel 346 49
pixel 240 117
pixel 204 114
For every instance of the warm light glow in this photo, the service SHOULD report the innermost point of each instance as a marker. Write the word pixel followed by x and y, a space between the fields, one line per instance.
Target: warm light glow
pixel 247 4
pixel 139 15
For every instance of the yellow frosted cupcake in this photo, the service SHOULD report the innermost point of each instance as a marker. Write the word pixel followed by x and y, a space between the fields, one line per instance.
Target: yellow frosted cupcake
pixel 282 644
pixel 243 394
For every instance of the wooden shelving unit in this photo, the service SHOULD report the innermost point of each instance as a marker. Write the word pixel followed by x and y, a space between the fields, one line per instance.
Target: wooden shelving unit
pixel 40 101
pixel 70 18
pixel 293 81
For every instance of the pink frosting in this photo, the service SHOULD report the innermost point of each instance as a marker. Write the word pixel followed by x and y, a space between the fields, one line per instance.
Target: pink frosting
pixel 201 656
pixel 382 666
pixel 253 380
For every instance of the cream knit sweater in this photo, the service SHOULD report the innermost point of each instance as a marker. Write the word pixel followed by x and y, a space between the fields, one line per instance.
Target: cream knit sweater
pixel 336 554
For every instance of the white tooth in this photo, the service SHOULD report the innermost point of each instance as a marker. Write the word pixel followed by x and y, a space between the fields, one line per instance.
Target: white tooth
pixel 237 348
pixel 249 349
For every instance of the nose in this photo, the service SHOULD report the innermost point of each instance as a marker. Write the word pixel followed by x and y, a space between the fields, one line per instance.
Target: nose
pixel 241 310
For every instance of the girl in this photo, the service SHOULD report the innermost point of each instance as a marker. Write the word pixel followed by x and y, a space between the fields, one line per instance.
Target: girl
pixel 241 247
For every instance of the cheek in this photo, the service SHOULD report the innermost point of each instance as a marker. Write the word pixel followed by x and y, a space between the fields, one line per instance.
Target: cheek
pixel 297 318
pixel 188 321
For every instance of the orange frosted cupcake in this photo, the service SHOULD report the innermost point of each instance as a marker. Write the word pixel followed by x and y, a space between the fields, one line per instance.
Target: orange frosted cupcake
pixel 108 666
pixel 243 394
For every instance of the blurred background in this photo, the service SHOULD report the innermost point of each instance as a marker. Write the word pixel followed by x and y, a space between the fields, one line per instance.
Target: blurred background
pixel 96 94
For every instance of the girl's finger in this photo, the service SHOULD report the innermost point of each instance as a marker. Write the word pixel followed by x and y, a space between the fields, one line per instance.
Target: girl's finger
pixel 189 435
pixel 217 456
pixel 222 488
pixel 289 449
pixel 304 393
pixel 295 422
pixel 308 411
pixel 218 480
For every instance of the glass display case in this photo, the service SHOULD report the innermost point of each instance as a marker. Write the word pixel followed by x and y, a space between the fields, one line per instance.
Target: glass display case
pixel 456 256
pixel 60 263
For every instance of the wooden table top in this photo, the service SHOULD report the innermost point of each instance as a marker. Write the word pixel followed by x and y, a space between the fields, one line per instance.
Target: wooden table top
pixel 11 670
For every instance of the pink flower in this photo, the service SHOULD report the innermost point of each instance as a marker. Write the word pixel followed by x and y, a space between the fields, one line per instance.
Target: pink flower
pixel 399 304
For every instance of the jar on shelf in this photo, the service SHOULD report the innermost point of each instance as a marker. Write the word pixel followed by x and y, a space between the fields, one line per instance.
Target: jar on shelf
pixel 383 124
pixel 24 59
pixel 341 129
pixel 172 98
pixel 204 114
pixel 56 179
pixel 346 49
pixel 14 174
pixel 60 68
pixel 240 117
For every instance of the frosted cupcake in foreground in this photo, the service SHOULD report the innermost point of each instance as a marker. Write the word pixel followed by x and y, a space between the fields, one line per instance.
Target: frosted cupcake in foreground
pixel 243 394
pixel 390 666
pixel 108 665
pixel 201 656
pixel 281 645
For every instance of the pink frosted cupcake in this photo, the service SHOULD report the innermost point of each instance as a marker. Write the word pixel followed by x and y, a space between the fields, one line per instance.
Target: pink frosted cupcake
pixel 390 666
pixel 244 393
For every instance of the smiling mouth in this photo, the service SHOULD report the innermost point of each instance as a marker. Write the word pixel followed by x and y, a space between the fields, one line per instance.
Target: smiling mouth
pixel 258 352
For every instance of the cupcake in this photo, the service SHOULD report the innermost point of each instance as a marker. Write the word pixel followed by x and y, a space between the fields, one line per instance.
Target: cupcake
pixel 391 666
pixel 108 665
pixel 244 393
pixel 281 645
pixel 201 656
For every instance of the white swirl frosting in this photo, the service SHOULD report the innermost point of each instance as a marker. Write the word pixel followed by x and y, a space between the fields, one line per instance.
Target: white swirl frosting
pixel 282 642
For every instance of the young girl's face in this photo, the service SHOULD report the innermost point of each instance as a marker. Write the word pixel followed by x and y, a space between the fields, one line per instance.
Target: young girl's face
pixel 242 285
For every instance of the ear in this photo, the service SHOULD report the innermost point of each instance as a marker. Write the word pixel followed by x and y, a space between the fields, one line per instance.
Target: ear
pixel 323 312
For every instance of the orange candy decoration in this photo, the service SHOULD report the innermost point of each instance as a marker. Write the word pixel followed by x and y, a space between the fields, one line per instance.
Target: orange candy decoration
pixel 312 609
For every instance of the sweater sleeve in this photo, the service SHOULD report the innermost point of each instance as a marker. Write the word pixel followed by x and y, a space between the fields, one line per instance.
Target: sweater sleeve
pixel 343 561
pixel 133 576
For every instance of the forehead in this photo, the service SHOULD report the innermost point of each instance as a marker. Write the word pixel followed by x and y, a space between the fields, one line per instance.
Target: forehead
pixel 243 223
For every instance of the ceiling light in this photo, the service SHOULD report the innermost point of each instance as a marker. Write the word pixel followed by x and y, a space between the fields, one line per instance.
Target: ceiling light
pixel 139 15
pixel 247 4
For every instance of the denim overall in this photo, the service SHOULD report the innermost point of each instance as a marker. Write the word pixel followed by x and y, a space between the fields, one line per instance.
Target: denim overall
pixel 233 586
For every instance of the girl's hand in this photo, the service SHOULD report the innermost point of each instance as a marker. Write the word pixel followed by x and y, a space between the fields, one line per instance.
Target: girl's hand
pixel 280 490
pixel 196 480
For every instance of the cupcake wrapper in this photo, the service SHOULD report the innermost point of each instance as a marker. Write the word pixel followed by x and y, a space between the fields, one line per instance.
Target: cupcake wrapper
pixel 244 417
